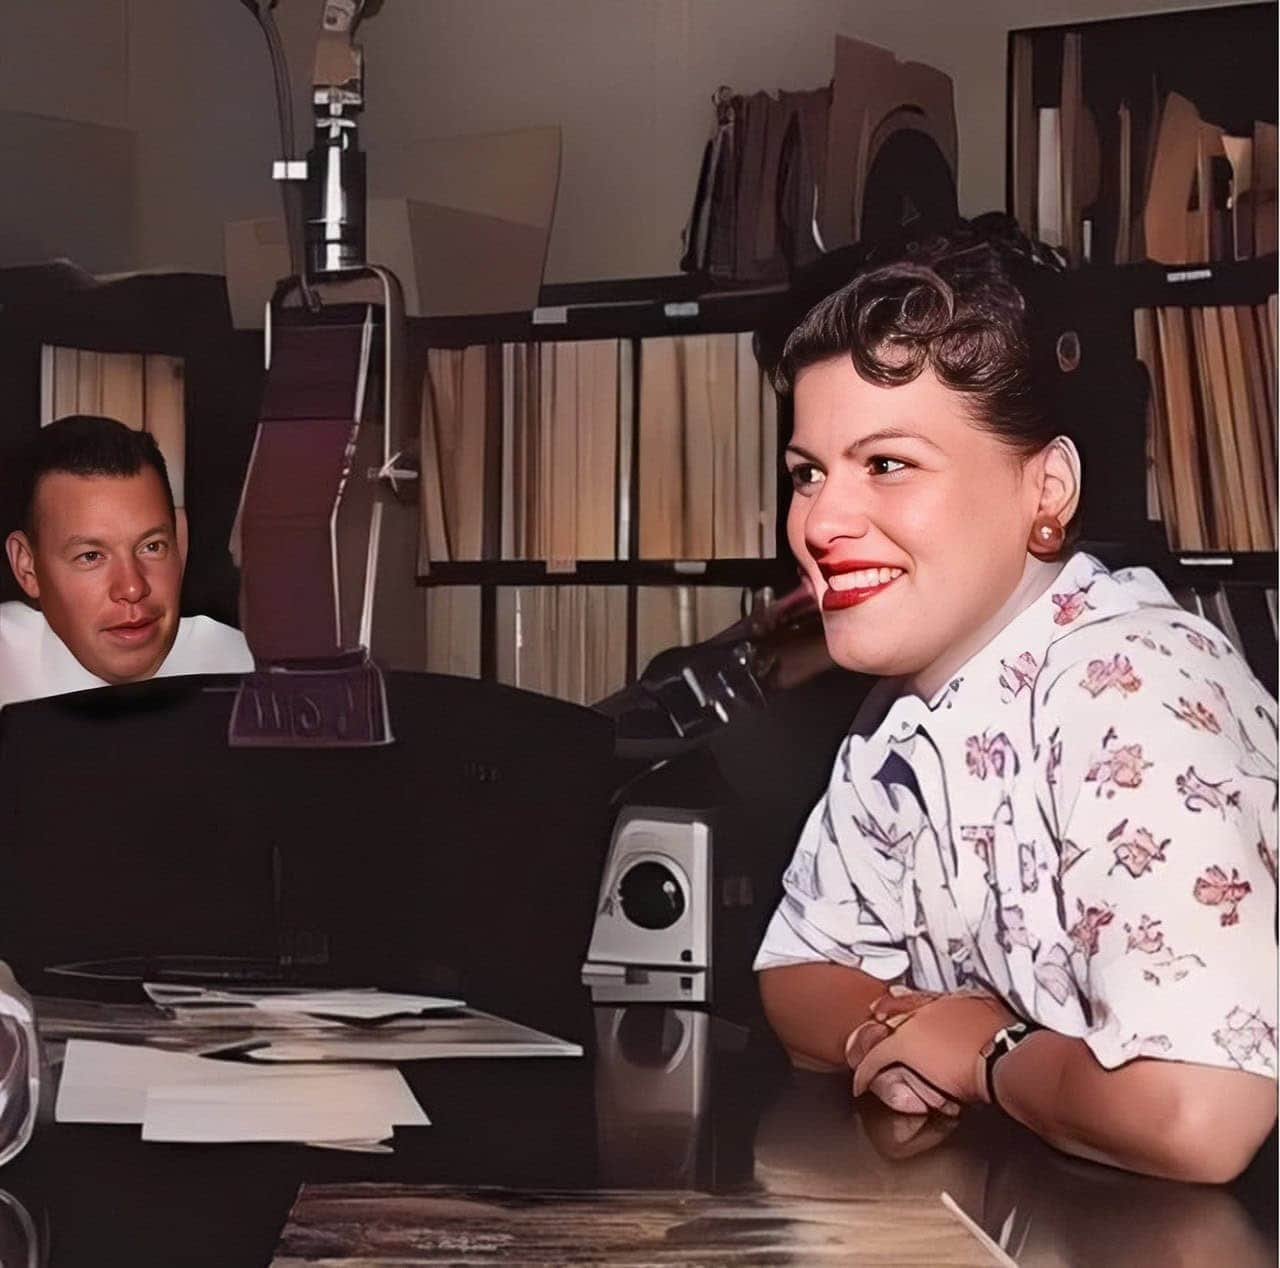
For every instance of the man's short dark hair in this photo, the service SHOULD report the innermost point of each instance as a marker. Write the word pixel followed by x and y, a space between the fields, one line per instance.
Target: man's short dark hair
pixel 86 445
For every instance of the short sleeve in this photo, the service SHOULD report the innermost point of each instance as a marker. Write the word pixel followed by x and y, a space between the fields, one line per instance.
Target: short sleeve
pixel 842 894
pixel 1156 754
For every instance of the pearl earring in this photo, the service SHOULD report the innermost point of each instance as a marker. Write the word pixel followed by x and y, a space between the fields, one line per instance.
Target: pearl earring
pixel 1047 535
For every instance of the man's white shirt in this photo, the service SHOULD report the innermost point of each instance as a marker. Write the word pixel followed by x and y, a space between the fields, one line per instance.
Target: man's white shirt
pixel 35 662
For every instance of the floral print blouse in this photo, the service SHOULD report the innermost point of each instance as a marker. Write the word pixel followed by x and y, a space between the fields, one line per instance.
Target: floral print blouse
pixel 1083 821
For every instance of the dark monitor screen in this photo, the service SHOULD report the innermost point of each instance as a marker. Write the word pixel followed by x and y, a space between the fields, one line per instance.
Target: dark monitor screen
pixel 464 857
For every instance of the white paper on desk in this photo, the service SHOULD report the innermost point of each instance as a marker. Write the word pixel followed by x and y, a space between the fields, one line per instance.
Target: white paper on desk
pixel 108 1082
pixel 180 1120
pixel 380 1091
pixel 355 1107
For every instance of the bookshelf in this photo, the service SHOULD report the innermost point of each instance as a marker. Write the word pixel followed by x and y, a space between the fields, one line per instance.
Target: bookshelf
pixel 1144 148
pixel 640 315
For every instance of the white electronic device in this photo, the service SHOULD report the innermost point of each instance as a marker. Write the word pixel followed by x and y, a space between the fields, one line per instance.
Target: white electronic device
pixel 651 941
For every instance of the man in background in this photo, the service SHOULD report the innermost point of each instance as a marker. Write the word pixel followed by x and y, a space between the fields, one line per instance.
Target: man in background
pixel 100 554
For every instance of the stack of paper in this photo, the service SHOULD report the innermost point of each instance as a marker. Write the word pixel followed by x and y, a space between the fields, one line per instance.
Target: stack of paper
pixel 474 1034
pixel 181 1098
pixel 264 1035
pixel 337 1005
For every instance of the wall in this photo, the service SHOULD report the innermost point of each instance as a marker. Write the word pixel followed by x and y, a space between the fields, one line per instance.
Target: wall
pixel 629 81
pixel 66 155
pixel 67 59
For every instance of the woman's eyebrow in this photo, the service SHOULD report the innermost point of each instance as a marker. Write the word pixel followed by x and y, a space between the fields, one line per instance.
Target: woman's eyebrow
pixel 872 438
pixel 890 433
pixel 803 453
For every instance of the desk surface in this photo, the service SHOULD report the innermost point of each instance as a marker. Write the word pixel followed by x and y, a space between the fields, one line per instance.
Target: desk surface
pixel 662 1100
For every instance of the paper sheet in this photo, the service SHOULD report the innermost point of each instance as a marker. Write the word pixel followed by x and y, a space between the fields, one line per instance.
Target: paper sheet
pixel 176 1096
pixel 353 1107
pixel 177 1120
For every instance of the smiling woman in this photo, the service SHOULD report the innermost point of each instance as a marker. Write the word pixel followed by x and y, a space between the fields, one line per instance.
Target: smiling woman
pixel 1056 812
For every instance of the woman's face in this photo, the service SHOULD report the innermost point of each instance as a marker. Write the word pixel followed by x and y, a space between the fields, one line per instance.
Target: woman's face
pixel 909 521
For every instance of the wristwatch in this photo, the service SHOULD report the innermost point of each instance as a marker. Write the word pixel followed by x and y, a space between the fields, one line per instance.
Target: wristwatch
pixel 1003 1042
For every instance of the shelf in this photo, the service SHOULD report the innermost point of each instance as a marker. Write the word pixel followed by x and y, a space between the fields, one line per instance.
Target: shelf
pixel 633 308
pixel 613 572
pixel 644 308
pixel 1191 568
pixel 178 314
pixel 1253 568
pixel 1149 284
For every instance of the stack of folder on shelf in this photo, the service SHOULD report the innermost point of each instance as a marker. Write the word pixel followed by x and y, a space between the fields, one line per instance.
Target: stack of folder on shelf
pixel 527 451
pixel 679 616
pixel 521 446
pixel 566 421
pixel 143 391
pixel 453 630
pixel 1153 180
pixel 708 450
pixel 1212 424
pixel 570 641
pixel 460 439
pixel 564 641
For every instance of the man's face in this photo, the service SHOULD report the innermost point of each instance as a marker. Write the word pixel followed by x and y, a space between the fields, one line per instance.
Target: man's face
pixel 106 569
pixel 909 521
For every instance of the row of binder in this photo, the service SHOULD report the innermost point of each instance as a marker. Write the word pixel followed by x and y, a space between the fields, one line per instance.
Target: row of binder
pixel 708 450
pixel 571 641
pixel 143 391
pixel 527 451
pixel 1211 424
pixel 1147 178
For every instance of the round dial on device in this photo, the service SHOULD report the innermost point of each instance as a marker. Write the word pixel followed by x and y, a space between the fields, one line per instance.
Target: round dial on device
pixel 651 896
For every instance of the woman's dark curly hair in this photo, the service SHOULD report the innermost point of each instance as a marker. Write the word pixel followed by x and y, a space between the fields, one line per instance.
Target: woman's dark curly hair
pixel 979 304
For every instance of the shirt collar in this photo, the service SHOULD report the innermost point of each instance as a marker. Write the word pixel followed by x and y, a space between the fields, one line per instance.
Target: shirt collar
pixel 1013 656
pixel 60 670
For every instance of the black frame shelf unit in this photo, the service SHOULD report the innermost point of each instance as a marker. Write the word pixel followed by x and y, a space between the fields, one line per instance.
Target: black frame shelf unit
pixel 1148 283
pixel 1223 58
pixel 629 309
pixel 1181 51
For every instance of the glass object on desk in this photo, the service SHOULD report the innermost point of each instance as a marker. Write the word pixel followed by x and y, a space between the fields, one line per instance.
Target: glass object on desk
pixel 21 1245
pixel 21 1068
pixel 172 968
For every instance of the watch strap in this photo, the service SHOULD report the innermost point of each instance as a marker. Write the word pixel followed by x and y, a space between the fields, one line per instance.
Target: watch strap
pixel 1003 1042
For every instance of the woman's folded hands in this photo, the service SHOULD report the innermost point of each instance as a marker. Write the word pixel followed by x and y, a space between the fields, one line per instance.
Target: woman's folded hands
pixel 920 1051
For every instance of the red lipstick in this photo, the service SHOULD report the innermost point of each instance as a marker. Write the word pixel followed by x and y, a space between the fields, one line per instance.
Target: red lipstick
pixel 835 600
